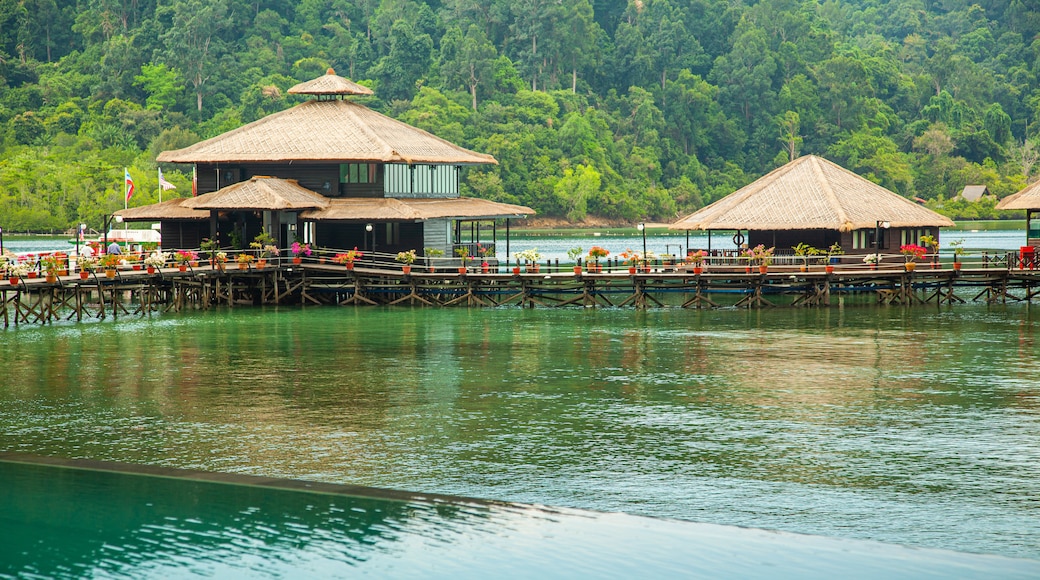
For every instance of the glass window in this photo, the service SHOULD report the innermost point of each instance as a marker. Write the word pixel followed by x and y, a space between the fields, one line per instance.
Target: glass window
pixel 357 173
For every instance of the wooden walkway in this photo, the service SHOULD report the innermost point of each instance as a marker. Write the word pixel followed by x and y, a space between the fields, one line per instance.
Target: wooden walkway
pixel 137 293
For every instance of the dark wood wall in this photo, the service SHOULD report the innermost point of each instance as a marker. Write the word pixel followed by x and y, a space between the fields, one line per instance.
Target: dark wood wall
pixel 312 176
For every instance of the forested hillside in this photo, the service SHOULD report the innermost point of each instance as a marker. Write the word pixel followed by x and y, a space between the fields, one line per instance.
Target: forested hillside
pixel 592 107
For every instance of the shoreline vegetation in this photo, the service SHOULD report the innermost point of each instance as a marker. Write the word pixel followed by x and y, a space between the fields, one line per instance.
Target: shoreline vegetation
pixel 631 111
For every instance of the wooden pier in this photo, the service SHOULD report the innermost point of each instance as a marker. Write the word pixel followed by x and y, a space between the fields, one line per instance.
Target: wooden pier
pixel 138 293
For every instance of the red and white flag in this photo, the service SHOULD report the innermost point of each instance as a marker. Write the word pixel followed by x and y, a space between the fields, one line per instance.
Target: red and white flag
pixel 163 184
pixel 129 183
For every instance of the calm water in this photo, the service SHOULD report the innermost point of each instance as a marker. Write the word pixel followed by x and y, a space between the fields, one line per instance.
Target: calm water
pixel 912 426
pixel 59 521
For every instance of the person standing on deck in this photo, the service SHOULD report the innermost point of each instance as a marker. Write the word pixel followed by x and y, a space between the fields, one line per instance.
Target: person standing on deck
pixel 114 248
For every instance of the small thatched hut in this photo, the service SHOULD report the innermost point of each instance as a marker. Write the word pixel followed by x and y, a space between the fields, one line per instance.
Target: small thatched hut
pixel 814 201
pixel 291 171
pixel 1029 200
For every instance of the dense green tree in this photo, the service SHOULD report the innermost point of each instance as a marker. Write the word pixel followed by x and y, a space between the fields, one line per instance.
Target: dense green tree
pixel 626 110
pixel 400 71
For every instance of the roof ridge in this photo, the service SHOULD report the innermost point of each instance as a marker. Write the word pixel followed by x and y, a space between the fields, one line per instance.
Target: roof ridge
pixel 832 198
pixel 363 127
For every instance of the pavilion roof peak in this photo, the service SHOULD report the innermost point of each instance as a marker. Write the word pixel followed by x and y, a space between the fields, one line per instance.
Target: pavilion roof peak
pixel 330 84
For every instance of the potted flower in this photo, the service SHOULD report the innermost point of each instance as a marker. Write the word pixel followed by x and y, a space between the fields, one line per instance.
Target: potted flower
pixel 210 247
pixel 648 258
pixel 805 251
pixel 761 256
pixel 912 253
pixel 50 266
pixel 529 258
pixel 932 243
pixel 406 258
pixel 430 254
pixel 595 254
pixel 483 251
pixel 298 251
pixel 832 256
pixel 153 261
pixel 463 253
pixel 16 271
pixel 63 263
pixel 958 251
pixel 87 264
pixel 575 255
pixel 31 262
pixel 632 259
pixel 109 263
pixel 347 258
pixel 244 260
pixel 697 259
pixel 184 257
pixel 263 243
pixel 872 260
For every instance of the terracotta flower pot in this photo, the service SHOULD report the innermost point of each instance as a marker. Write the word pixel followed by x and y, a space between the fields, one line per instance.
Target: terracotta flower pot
pixel 136 267
pixel 297 260
pixel 83 274
pixel 110 273
pixel 462 269
pixel 183 267
pixel 577 270
pixel 243 265
pixel 956 265
pixel 910 266
pixel 51 278
pixel 13 280
pixel 516 270
pixel 698 270
pixel 829 269
pixel 763 269
pixel 31 275
pixel 261 264
pixel 150 269
pixel 632 270
pixel 349 265
pixel 407 269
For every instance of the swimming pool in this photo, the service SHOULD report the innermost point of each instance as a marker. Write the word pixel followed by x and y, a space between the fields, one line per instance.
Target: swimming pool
pixel 70 519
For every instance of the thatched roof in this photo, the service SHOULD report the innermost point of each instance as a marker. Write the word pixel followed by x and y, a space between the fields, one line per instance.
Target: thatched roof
pixel 171 209
pixel 326 130
pixel 396 209
pixel 260 193
pixel 810 193
pixel 330 84
pixel 974 192
pixel 1028 198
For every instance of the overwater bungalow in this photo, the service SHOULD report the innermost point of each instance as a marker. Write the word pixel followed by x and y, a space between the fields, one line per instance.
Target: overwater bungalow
pixel 330 172
pixel 814 201
pixel 1029 200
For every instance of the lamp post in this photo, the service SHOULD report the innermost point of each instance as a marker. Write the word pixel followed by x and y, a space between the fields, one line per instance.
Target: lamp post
pixel 107 221
pixel 877 233
pixel 370 229
pixel 79 238
pixel 1 241
pixel 642 229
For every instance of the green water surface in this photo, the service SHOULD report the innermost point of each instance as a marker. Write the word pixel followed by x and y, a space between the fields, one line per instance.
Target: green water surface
pixel 912 426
